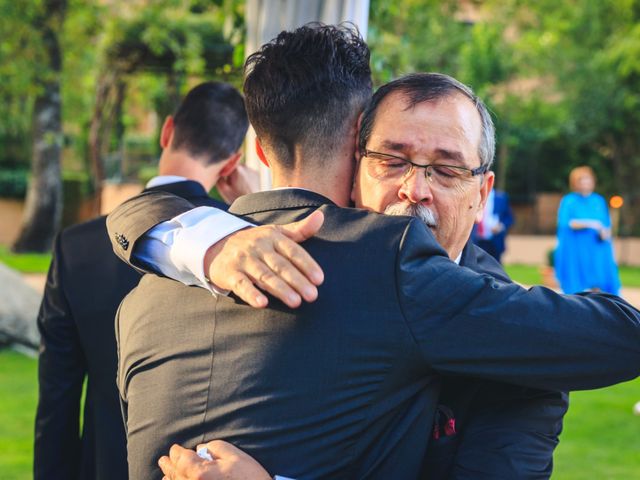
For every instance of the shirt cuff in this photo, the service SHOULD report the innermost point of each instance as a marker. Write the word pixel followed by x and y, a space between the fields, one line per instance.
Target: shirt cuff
pixel 199 229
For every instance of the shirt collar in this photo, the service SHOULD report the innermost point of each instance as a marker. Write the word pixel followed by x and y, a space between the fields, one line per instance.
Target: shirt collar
pixel 164 180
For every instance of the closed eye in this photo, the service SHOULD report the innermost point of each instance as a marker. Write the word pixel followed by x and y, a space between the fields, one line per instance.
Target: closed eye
pixel 388 160
pixel 448 170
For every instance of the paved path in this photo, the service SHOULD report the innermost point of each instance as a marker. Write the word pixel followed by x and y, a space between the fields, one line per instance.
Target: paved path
pixel 632 295
pixel 36 280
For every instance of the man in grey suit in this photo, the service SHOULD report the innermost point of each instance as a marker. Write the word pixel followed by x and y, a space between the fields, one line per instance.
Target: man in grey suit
pixel 343 387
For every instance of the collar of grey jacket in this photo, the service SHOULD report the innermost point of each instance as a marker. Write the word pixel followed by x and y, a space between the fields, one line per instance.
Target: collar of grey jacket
pixel 278 200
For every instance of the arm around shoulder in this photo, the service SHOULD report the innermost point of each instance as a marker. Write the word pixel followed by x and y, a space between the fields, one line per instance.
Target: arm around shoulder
pixel 468 323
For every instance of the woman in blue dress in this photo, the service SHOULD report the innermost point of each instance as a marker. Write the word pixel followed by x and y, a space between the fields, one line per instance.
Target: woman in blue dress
pixel 584 257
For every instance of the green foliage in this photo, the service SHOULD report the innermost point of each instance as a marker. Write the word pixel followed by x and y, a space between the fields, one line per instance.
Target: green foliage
pixel 177 38
pixel 414 35
pixel 147 173
pixel 15 150
pixel 165 41
pixel 13 183
pixel 20 58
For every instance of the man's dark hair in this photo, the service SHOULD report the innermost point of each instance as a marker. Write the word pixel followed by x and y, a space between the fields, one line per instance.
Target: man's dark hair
pixel 211 122
pixel 427 87
pixel 305 88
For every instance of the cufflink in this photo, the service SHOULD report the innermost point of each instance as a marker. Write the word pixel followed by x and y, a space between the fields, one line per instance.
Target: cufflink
pixel 122 241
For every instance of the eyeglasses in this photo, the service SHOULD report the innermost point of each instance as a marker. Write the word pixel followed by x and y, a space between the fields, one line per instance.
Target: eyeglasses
pixel 384 166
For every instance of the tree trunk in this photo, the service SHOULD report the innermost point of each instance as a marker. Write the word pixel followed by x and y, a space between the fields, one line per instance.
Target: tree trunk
pixel 44 196
pixel 503 158
pixel 96 136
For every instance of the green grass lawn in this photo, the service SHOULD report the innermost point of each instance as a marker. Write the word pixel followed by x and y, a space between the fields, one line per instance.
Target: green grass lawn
pixel 25 262
pixel 18 399
pixel 630 276
pixel 601 438
pixel 530 275
pixel 525 274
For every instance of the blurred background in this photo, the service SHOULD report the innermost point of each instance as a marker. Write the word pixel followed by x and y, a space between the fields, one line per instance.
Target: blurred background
pixel 86 85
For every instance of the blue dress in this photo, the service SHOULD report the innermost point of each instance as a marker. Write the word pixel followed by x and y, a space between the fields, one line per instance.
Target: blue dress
pixel 582 260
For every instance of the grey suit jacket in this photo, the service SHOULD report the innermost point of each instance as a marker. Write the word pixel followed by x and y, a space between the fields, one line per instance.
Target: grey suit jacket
pixel 344 387
pixel 85 285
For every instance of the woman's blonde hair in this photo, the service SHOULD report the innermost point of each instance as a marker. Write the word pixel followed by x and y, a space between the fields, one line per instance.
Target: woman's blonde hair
pixel 578 172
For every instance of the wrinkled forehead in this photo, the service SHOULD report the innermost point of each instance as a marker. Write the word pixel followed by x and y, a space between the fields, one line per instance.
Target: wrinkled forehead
pixel 451 122
pixel 452 102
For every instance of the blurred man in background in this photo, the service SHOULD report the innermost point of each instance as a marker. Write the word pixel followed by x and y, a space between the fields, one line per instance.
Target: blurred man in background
pixel 86 283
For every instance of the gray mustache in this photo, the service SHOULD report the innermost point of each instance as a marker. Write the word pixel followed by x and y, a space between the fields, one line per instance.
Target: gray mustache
pixel 416 210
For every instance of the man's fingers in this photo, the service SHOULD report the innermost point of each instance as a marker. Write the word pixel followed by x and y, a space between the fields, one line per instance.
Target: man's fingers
pixel 271 282
pixel 243 287
pixel 268 258
pixel 301 260
pixel 167 467
pixel 291 275
pixel 303 229
pixel 175 452
pixel 180 459
pixel 298 256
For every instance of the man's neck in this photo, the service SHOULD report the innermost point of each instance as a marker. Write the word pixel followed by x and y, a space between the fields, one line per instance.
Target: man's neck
pixel 335 187
pixel 333 180
pixel 182 165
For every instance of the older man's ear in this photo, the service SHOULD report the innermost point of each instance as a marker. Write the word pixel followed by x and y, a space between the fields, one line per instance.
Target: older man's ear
pixel 485 189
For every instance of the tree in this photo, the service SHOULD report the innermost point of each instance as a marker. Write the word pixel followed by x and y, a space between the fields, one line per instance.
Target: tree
pixel 44 196
pixel 172 44
pixel 84 93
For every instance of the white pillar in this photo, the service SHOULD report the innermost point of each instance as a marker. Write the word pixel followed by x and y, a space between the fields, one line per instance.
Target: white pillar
pixel 266 18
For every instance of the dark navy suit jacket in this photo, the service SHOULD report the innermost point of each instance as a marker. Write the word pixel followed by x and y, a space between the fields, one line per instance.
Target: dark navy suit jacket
pixel 85 285
pixel 347 386
pixel 502 431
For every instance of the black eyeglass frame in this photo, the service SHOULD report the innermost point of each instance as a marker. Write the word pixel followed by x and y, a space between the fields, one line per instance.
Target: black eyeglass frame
pixel 481 170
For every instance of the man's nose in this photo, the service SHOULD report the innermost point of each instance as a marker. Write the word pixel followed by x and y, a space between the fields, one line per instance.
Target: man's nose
pixel 416 187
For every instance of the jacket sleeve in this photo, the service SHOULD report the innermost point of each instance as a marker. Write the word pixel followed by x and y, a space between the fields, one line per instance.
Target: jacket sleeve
pixel 132 219
pixel 61 371
pixel 470 324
